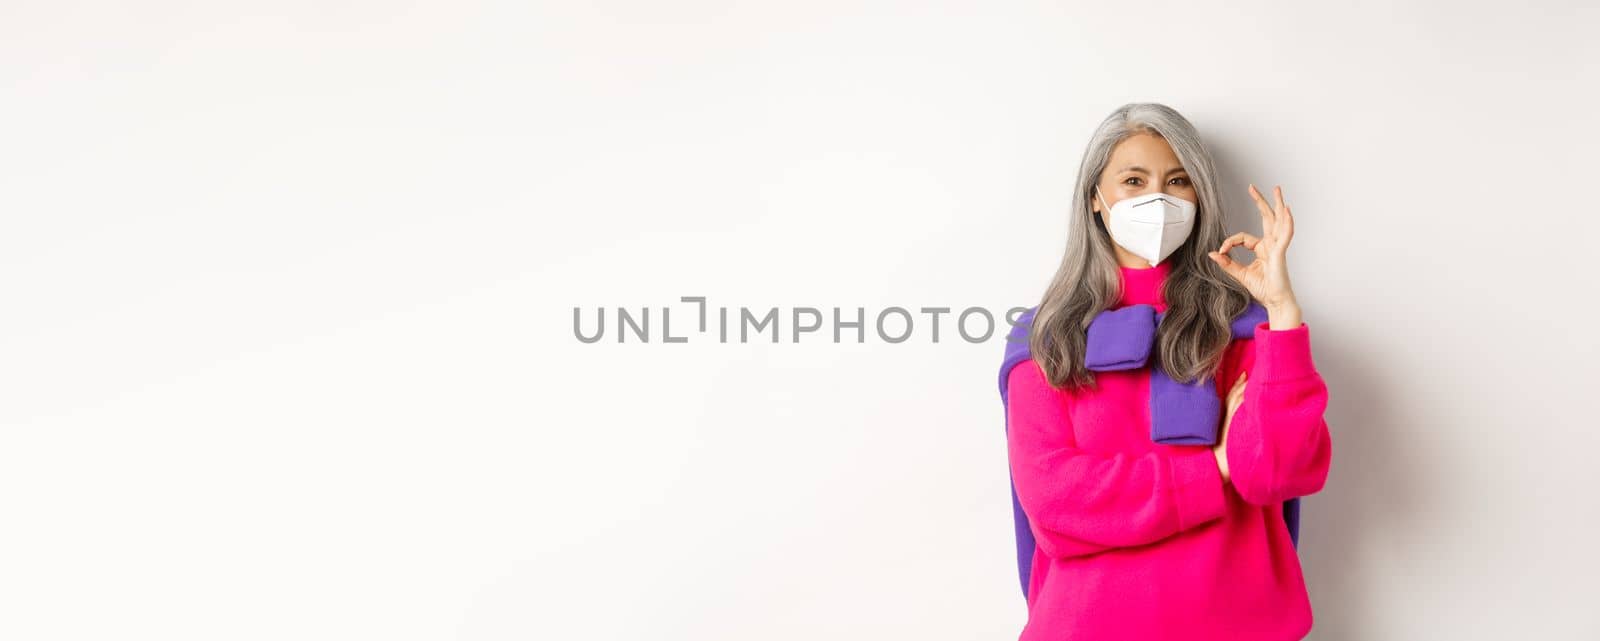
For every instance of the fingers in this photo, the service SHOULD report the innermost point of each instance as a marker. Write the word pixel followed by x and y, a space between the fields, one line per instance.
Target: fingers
pixel 1277 223
pixel 1236 395
pixel 1288 225
pixel 1268 217
pixel 1242 238
pixel 1283 227
pixel 1228 265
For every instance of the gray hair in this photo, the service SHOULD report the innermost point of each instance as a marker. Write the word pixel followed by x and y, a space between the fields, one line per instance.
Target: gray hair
pixel 1202 300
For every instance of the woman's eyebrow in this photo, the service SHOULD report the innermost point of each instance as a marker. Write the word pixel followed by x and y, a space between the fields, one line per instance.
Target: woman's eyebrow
pixel 1142 170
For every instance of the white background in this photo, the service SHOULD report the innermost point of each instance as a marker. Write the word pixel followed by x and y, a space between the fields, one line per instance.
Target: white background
pixel 287 345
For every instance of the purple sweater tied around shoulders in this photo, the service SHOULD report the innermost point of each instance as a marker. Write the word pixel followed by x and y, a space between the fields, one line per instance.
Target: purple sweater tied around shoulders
pixel 1180 413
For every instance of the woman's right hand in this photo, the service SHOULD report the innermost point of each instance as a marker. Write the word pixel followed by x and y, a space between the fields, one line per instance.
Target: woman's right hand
pixel 1235 399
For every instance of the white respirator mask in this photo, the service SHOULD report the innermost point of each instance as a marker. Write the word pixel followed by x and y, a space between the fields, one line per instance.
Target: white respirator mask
pixel 1151 226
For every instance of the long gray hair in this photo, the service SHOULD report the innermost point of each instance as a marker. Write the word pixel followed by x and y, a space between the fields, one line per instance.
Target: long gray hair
pixel 1202 300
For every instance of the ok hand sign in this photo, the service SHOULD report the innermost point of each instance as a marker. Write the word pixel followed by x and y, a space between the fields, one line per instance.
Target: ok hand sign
pixel 1267 277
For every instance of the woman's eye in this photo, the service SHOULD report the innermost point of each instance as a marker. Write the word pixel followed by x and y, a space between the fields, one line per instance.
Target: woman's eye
pixel 1132 181
pixel 1181 180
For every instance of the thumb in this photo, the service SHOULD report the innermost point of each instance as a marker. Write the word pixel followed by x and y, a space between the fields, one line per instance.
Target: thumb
pixel 1227 264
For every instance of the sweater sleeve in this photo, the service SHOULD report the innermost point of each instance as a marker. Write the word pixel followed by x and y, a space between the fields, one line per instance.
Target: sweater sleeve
pixel 1080 502
pixel 1278 443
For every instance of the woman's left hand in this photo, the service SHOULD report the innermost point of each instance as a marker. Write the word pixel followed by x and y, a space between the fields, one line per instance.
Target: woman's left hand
pixel 1267 277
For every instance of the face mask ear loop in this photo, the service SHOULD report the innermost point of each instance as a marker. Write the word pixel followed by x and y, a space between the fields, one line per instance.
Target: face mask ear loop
pixel 1101 196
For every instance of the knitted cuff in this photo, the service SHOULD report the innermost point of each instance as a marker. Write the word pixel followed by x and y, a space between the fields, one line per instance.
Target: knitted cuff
pixel 1282 354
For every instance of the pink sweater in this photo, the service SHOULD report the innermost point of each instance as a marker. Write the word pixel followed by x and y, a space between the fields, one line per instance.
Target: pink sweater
pixel 1142 541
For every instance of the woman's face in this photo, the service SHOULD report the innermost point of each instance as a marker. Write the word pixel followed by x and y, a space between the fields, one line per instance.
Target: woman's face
pixel 1141 164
